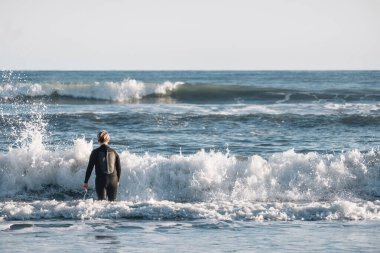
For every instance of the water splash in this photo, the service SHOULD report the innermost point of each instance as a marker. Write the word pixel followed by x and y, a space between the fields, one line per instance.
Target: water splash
pixel 203 176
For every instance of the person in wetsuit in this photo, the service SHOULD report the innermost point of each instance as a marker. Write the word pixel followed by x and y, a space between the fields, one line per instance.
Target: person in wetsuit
pixel 107 169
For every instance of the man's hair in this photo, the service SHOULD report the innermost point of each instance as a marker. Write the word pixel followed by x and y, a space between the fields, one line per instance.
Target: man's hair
pixel 103 137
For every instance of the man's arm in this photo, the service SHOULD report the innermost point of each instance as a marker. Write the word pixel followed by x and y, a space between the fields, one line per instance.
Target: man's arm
pixel 90 167
pixel 118 167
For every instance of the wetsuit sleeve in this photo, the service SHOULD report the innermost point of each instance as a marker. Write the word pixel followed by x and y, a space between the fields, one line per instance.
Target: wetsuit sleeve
pixel 90 167
pixel 118 167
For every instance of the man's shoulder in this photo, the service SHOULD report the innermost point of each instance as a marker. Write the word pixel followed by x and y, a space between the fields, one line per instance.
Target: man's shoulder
pixel 112 150
pixel 95 150
pixel 102 148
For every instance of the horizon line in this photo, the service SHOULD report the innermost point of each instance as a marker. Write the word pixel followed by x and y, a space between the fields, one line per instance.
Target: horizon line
pixel 189 70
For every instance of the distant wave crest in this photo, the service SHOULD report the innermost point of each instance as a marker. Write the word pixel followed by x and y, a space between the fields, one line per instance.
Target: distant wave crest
pixel 133 90
pixel 125 91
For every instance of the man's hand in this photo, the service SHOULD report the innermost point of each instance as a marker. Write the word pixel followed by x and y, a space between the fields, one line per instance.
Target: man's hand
pixel 85 186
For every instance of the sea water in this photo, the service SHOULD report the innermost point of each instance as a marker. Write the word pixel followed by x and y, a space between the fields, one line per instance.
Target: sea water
pixel 225 161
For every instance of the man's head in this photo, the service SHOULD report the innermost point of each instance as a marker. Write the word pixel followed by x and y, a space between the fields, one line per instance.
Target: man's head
pixel 103 137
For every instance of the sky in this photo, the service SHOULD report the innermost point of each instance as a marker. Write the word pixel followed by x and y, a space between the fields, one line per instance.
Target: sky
pixel 189 34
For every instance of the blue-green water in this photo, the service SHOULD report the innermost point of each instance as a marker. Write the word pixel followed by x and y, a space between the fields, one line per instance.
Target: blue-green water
pixel 229 160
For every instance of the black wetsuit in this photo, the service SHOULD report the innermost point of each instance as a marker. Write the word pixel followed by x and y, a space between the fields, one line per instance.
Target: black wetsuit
pixel 107 170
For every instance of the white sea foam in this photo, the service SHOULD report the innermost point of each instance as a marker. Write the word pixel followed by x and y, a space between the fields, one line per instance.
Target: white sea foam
pixel 219 210
pixel 210 109
pixel 350 108
pixel 302 109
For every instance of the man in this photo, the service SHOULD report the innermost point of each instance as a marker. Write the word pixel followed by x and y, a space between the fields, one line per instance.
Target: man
pixel 107 169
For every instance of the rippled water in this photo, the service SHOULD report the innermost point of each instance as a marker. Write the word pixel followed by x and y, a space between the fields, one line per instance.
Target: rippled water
pixel 189 236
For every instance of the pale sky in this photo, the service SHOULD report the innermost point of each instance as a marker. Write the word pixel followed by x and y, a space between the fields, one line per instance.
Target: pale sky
pixel 189 34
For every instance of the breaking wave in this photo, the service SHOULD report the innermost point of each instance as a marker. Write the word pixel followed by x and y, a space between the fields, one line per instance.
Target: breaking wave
pixel 126 91
pixel 34 172
pixel 212 185
pixel 129 91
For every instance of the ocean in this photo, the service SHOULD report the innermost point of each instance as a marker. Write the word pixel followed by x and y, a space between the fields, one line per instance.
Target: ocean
pixel 216 161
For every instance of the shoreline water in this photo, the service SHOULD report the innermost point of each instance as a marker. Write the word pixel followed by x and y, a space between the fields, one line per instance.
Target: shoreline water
pixel 190 236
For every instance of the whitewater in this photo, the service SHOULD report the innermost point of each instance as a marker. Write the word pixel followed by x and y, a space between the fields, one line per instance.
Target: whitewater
pixel 241 153
pixel 217 185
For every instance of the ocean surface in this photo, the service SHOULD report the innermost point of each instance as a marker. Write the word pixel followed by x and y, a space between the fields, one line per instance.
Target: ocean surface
pixel 216 161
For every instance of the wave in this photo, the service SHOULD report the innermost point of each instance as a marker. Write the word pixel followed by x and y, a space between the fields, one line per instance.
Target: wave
pixel 167 92
pixel 32 171
pixel 125 91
